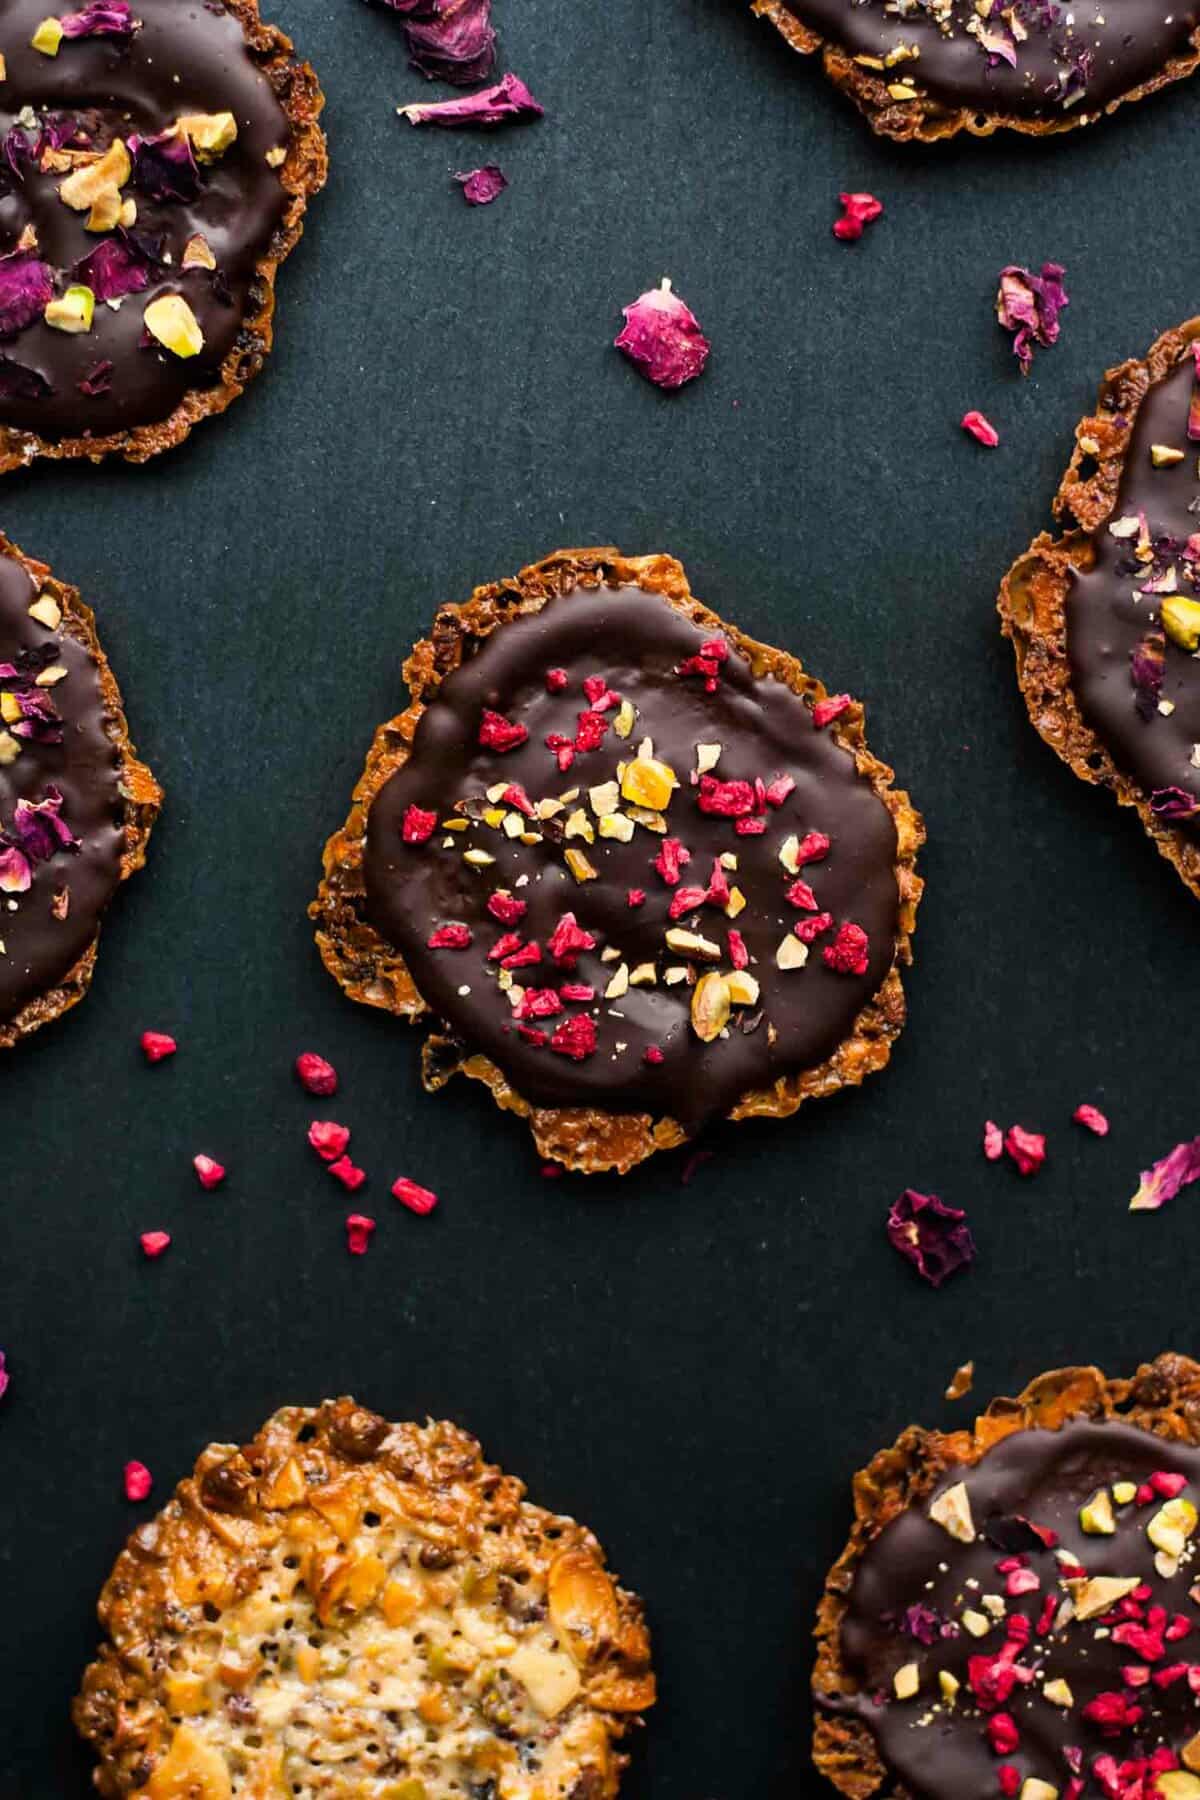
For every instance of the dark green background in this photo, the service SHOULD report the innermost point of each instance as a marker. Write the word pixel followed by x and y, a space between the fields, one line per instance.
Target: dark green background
pixel 695 1371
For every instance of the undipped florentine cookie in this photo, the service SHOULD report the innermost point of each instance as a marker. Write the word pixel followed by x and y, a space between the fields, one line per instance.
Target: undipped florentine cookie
pixel 1105 621
pixel 76 805
pixel 636 869
pixel 1016 1613
pixel 158 157
pixel 351 1610
pixel 927 69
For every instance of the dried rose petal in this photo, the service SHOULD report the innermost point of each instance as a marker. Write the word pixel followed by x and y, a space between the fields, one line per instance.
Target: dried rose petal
pixel 344 1170
pixel 358 1233
pixel 120 265
pixel 26 286
pixel 455 44
pixel 1193 419
pixel 1147 666
pixel 39 829
pixel 993 1141
pixel 981 429
pixel 1027 1148
pixel 138 1481
pixel 154 1243
pixel 97 381
pixel 1163 1181
pixel 510 99
pixel 1092 1118
pixel 4 1376
pixel 933 1236
pixel 100 18
pixel 164 167
pixel 826 711
pixel 481 186
pixel 328 1138
pixel 210 1174
pixel 15 872
pixel 157 1044
pixel 857 210
pixel 317 1075
pixel 1174 803
pixel 663 337
pixel 1028 305
pixel 418 1199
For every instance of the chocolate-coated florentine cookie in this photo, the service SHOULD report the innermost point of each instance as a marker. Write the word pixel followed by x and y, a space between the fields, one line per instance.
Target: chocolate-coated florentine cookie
pixel 158 158
pixel 76 805
pixel 927 69
pixel 1016 1612
pixel 1106 620
pixel 351 1610
pixel 638 870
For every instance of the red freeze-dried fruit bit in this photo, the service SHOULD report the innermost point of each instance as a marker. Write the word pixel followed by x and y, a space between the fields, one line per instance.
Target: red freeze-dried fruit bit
pixel 358 1233
pixel 826 711
pixel 686 899
pixel 138 1481
pixel 590 731
pixel 749 827
pixel 663 337
pixel 154 1243
pixel 718 885
pixel 858 210
pixel 993 1141
pixel 563 748
pixel 328 1138
pixel 725 799
pixel 777 792
pixel 716 649
pixel 556 680
pixel 707 666
pixel 525 957
pixel 814 846
pixel 209 1173
pixel 157 1044
pixel 636 897
pixel 800 894
pixel 343 1170
pixel 981 429
pixel 418 1199
pixel 1009 1777
pixel 849 953
pixel 1002 1733
pixel 1046 1616
pixel 1113 1713
pixel 652 1054
pixel 598 694
pixel 1092 1118
pixel 515 795
pixel 538 1003
pixel 450 937
pixel 498 733
pixel 317 1075
pixel 506 907
pixel 808 930
pixel 1167 1485
pixel 577 992
pixel 534 1035
pixel 567 939
pixel 739 956
pixel 576 1038
pixel 418 825
pixel 671 859
pixel 1027 1148
pixel 504 946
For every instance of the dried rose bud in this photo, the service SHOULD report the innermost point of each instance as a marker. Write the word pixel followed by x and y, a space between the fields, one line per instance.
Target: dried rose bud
pixel 417 1199
pixel 154 1243
pixel 344 1170
pixel 317 1075
pixel 981 429
pixel 138 1481
pixel 358 1233
pixel 328 1138
pixel 157 1044
pixel 209 1173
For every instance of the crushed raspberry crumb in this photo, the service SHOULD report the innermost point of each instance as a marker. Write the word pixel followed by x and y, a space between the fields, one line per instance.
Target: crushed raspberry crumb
pixel 157 1044
pixel 1113 1713
pixel 450 937
pixel 563 748
pixel 636 897
pixel 1009 1777
pixel 686 899
pixel 504 946
pixel 858 210
pixel 826 711
pixel 814 847
pixel 1169 1486
pixel 209 1173
pixel 993 1141
pixel 328 1139
pixel 671 859
pixel 706 666
pixel 725 799
pixel 800 894
pixel 344 1170
pixel 525 957
pixel 498 733
pixel 538 1003
pixel 418 1199
pixel 1002 1733
pixel 515 795
pixel 417 826
pixel 981 429
pixel 739 956
pixel 749 827
pixel 567 939
pixel 1027 1148
pixel 778 790
pixel 138 1481
pixel 358 1233
pixel 590 731
pixel 577 992
pixel 154 1243
pixel 1092 1118
pixel 506 907
pixel 808 930
pixel 849 953
pixel 599 696
pixel 556 680
pixel 534 1035
pixel 576 1037
pixel 315 1074
pixel 652 1054
pixel 716 649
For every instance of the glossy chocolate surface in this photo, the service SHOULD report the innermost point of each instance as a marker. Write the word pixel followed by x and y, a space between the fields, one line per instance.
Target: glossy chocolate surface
pixel 1109 616
pixel 43 933
pixel 636 642
pixel 187 58
pixel 942 1751
pixel 1067 59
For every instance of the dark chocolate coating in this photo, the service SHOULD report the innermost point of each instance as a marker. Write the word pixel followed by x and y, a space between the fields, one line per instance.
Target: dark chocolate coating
pixel 636 641
pixel 188 57
pixel 1085 63
pixel 1044 1477
pixel 1106 623
pixel 39 948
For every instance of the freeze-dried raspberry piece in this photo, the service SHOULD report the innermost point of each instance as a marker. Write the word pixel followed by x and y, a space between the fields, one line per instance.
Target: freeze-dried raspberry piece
pixel 981 429
pixel 154 1243
pixel 778 790
pixel 727 799
pixel 575 1037
pixel 814 847
pixel 801 895
pixel 534 1035
pixel 515 796
pixel 1027 1148
pixel 599 696
pixel 1002 1733
pixel 419 825
pixel 504 946
pixel 138 1481
pixel 359 1229
pixel 567 939
pixel 563 748
pixel 315 1074
pixel 993 1141
pixel 538 1003
pixel 749 827
pixel 556 680
pixel 450 937
pixel 345 1171
pixel 858 211
pixel 671 859
pixel 577 992
pixel 506 907
pixel 652 1054
pixel 1113 1713
pixel 328 1138
pixel 157 1045
pixel 807 930
pixel 525 957
pixel 1092 1118
pixel 590 730
pixel 636 897
pixel 850 951
pixel 739 956
pixel 686 899
pixel 498 733
pixel 826 711
pixel 417 1199
pixel 210 1174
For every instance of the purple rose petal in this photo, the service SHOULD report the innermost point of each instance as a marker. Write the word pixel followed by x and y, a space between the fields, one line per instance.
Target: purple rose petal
pixel 1172 1172
pixel 933 1236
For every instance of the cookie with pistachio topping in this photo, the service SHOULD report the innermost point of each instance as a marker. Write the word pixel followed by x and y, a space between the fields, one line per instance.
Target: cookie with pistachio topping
pixel 1017 1612
pixel 1105 621
pixel 347 1608
pixel 158 157
pixel 76 805
pixel 927 69
pixel 635 869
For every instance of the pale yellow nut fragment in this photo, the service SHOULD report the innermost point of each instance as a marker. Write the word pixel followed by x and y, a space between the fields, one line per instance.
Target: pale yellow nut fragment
pixel 514 826
pixel 478 859
pixel 198 255
pixel 689 943
pixel 952 1511
pixel 604 798
pixel 653 821
pixel 128 214
pixel 1124 528
pixel 624 719
pixel 619 983
pixel 1177 1784
pixel 1096 1515
pixel 616 825
pixel 710 1006
pixel 1124 1492
pixel 549 1678
pixel 1189 1756
pixel 1164 457
pixel 46 610
pixel 977 1623
pixel 728 860
pixel 580 826
pixel 72 311
pixel 610 953
pixel 494 816
pixel 10 748
pixel 276 157
pixel 645 975
pixel 707 757
pixel 1101 1592
pixel 1172 1526
pixel 906 1681
pixel 743 988
pixel 789 854
pixel 171 320
pixel 869 62
pixel 1165 1564
pixel 949 1684
pixel 51 677
pixel 47 37
pixel 646 782
pixel 735 904
pixel 900 90
pixel 82 188
pixel 791 954
pixel 579 865
pixel 10 708
pixel 1033 1789
pixel 1181 621
pixel 105 211
pixel 1058 1693
pixel 454 824
pixel 210 134
pixel 3 69
pixel 674 975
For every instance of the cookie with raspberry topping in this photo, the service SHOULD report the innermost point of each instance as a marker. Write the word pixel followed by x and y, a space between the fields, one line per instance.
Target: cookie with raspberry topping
pixel 1105 620
pixel 158 159
pixel 76 805
pixel 349 1608
pixel 634 868
pixel 931 70
pixel 1016 1611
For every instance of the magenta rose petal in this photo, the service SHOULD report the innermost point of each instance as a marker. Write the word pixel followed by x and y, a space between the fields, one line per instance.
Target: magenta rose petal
pixel 663 337
pixel 1167 1176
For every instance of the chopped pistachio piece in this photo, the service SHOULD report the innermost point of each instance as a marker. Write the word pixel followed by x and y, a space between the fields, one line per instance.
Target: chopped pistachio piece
pixel 1102 1591
pixel 616 825
pixel 710 1006
pixel 47 37
pixel 1033 1789
pixel 580 826
pixel 689 943
pixel 46 610
pixel 707 757
pixel 579 865
pixel 1181 621
pixel 10 748
pixel 604 798
pixel 197 255
pixel 171 320
pixel 977 1623
pixel 1164 457
pixel 1172 1526
pixel 906 1681
pixel 1096 1517
pixel 276 156
pixel 1058 1693
pixel 949 1685
pixel 736 903
pixel 743 988
pixel 1124 1492
pixel 952 1511
pixel 645 975
pixel 789 854
pixel 619 984
pixel 478 859
pixel 1177 1784
pixel 210 134
pixel 624 719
